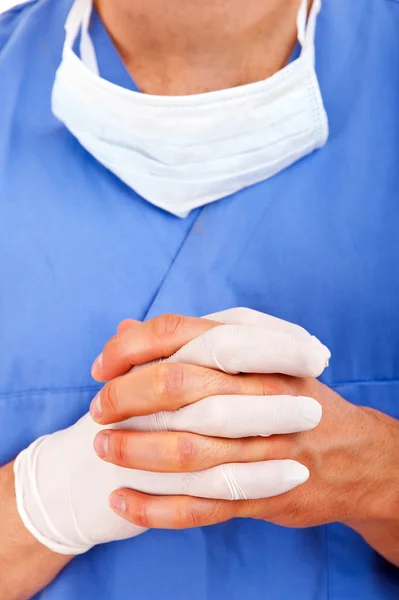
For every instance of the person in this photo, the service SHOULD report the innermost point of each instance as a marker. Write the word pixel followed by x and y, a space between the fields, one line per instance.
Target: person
pixel 164 162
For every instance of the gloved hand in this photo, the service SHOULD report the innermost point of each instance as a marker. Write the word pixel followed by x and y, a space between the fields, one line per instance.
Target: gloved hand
pixel 62 486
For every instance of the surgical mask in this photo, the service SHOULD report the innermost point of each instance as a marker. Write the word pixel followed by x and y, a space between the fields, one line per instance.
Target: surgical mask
pixel 182 152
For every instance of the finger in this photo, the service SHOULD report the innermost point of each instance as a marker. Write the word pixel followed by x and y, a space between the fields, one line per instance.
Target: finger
pixel 177 452
pixel 144 342
pixel 246 481
pixel 175 512
pixel 247 349
pixel 159 387
pixel 254 318
pixel 237 416
pixel 233 481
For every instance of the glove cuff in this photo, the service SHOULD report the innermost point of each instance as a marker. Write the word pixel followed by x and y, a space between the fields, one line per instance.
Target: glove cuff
pixel 30 507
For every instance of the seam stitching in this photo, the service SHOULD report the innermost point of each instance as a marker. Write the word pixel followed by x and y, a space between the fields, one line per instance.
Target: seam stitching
pixel 82 389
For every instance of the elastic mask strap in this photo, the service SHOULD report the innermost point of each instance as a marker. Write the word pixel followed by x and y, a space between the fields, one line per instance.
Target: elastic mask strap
pixel 78 19
pixel 307 26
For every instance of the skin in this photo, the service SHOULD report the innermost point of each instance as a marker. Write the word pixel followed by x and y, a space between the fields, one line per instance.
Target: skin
pixel 353 455
pixel 182 48
pixel 26 566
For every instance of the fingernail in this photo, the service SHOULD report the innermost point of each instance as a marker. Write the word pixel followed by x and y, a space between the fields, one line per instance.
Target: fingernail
pixel 310 411
pixel 96 410
pixel 101 444
pixel 295 472
pixel 96 367
pixel 117 503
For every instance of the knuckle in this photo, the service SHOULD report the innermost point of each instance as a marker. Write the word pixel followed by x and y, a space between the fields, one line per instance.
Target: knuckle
pixel 165 326
pixel 203 513
pixel 217 382
pixel 168 380
pixel 125 324
pixel 120 447
pixel 275 385
pixel 193 514
pixel 111 348
pixel 111 398
pixel 139 513
pixel 270 386
pixel 186 451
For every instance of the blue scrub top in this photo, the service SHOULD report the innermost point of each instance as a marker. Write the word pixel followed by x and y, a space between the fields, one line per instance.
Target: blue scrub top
pixel 317 244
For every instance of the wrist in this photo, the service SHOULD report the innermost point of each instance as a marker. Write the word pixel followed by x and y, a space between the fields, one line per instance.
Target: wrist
pixel 378 491
pixel 42 486
pixel 382 535
pixel 376 515
pixel 26 566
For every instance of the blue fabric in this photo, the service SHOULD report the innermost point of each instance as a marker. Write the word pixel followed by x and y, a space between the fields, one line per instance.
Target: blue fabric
pixel 318 245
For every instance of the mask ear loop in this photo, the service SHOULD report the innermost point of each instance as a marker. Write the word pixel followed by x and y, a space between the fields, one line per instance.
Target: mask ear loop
pixel 78 19
pixel 87 52
pixel 307 27
pixel 73 23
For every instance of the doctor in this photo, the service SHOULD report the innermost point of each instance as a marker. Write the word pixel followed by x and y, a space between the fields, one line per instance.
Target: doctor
pixel 187 158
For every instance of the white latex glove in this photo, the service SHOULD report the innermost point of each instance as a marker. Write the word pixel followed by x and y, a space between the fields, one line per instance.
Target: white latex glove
pixel 249 341
pixel 62 487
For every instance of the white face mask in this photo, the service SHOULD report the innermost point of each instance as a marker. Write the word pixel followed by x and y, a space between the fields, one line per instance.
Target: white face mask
pixel 182 152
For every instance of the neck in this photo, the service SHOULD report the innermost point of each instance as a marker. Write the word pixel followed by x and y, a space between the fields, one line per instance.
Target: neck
pixel 179 47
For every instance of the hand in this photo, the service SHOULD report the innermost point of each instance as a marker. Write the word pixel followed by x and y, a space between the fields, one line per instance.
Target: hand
pixel 62 487
pixel 208 401
pixel 352 454
pixel 342 455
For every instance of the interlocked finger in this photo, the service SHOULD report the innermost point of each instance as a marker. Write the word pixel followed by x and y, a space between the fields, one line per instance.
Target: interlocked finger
pixel 248 349
pixel 236 416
